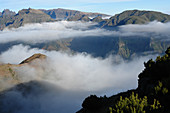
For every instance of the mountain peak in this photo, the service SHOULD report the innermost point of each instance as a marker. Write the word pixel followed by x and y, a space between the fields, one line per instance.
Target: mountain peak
pixel 7 12
pixel 136 17
pixel 34 57
pixel 30 10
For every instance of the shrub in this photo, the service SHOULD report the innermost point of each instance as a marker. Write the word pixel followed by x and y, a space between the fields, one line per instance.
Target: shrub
pixel 133 104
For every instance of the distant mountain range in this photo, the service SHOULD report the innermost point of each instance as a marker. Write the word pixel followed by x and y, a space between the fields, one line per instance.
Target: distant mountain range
pixel 97 46
pixel 65 13
pixel 11 19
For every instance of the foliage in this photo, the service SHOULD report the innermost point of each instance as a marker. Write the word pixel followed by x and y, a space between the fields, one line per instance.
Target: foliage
pixel 158 69
pixel 133 104
pixel 160 89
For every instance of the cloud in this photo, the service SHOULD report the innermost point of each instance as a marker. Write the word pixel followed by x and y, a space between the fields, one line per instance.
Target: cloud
pixel 72 78
pixel 64 80
pixel 82 67
pixel 44 32
pixel 154 27
pixel 37 33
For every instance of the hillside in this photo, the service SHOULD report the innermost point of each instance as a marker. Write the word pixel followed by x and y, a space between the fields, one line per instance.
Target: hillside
pixel 65 13
pixel 153 86
pixel 136 17
pixel 126 47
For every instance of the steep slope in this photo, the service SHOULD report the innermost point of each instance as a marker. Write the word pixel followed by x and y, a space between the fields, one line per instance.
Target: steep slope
pixel 126 47
pixel 79 18
pixel 154 84
pixel 6 17
pixel 65 13
pixel 136 17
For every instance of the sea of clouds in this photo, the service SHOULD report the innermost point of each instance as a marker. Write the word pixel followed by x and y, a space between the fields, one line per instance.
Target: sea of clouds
pixel 64 79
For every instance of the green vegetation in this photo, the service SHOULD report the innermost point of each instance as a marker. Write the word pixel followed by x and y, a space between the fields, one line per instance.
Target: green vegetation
pixel 160 89
pixel 134 104
pixel 12 72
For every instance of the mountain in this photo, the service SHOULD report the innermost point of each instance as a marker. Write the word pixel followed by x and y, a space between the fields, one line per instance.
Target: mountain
pixel 79 18
pixel 126 47
pixel 5 17
pixel 24 16
pixel 151 96
pixel 97 19
pixel 9 73
pixel 102 46
pixel 136 17
pixel 10 19
pixel 7 12
pixel 65 13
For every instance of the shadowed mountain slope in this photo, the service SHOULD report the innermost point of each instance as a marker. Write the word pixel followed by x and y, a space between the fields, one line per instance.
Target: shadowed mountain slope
pixel 153 84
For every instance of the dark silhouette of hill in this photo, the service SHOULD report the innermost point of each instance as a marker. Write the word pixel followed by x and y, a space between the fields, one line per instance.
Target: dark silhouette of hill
pixel 154 83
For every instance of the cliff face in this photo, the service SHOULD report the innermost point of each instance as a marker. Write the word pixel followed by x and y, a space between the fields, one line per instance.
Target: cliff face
pixel 154 83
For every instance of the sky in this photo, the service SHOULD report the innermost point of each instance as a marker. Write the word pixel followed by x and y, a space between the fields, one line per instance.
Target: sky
pixel 103 6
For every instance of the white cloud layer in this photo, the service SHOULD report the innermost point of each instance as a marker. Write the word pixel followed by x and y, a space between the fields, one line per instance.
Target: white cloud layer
pixel 34 33
pixel 38 33
pixel 87 70
pixel 72 78
pixel 152 27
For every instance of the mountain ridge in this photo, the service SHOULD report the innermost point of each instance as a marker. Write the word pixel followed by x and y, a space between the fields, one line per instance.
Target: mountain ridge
pixel 136 17
pixel 67 13
pixel 41 15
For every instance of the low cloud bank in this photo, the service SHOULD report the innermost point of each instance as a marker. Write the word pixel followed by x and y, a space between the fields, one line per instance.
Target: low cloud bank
pixel 154 28
pixel 72 78
pixel 39 33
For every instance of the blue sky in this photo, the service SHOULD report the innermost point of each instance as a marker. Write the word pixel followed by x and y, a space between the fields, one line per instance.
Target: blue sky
pixel 103 6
